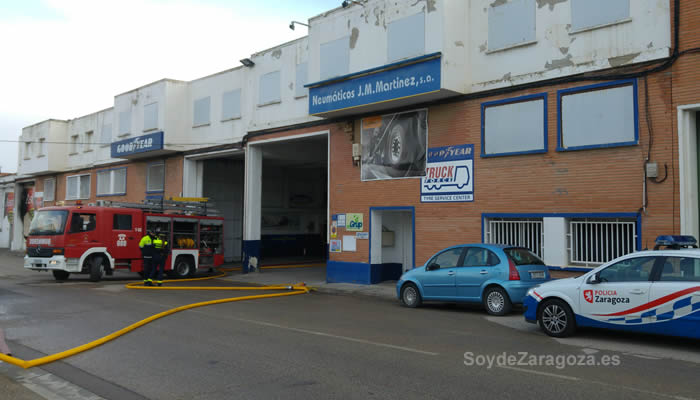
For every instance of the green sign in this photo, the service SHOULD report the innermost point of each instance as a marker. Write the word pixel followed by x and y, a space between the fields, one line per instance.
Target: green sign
pixel 354 222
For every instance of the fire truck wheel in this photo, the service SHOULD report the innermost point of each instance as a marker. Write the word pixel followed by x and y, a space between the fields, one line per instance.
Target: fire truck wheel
pixel 97 268
pixel 183 268
pixel 60 275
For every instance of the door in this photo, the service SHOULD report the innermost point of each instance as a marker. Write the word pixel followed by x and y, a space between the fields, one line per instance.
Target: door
pixel 478 267
pixel 621 293
pixel 82 234
pixel 676 293
pixel 439 277
pixel 124 239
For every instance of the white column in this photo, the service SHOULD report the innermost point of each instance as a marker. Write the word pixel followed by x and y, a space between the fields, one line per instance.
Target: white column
pixel 376 243
pixel 555 248
pixel 252 208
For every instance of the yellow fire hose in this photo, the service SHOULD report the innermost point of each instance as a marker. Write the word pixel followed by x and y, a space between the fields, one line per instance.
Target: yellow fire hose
pixel 292 290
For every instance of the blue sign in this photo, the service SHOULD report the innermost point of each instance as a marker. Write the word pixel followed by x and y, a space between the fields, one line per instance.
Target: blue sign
pixel 449 175
pixel 141 144
pixel 410 80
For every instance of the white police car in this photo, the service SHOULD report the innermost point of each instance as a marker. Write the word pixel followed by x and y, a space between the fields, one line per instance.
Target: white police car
pixel 653 291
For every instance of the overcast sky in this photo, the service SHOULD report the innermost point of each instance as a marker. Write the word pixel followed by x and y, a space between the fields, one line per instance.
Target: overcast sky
pixel 64 59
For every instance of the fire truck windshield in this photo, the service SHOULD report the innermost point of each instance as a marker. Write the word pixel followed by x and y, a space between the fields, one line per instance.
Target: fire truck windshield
pixel 48 222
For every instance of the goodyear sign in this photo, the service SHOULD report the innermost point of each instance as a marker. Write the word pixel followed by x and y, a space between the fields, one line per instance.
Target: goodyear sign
pixel 449 175
pixel 140 144
pixel 387 83
pixel 354 222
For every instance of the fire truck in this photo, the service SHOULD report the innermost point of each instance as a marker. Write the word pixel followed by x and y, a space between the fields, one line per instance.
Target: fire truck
pixel 100 239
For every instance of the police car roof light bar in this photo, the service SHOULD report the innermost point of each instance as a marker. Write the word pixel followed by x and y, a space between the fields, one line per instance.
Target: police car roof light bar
pixel 675 241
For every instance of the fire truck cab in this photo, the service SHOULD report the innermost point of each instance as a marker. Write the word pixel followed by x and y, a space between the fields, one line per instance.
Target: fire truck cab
pixel 97 240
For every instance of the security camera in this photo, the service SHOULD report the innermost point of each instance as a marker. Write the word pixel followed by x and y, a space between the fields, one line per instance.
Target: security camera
pixel 291 25
pixel 346 4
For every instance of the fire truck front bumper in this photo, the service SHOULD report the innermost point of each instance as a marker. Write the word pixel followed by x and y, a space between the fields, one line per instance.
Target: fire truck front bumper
pixel 60 263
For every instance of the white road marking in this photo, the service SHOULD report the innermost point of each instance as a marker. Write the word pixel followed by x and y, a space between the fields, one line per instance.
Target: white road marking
pixel 613 343
pixel 347 338
pixel 46 385
pixel 594 382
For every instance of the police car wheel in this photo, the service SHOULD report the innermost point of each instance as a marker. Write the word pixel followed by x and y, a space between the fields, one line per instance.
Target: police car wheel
pixel 556 318
pixel 496 301
pixel 410 296
pixel 60 275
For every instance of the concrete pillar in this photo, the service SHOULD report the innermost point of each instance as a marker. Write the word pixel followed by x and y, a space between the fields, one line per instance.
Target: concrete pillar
pixel 252 209
pixel 18 242
pixel 375 246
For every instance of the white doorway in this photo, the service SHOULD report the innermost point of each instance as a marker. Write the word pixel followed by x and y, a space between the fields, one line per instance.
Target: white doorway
pixel 392 240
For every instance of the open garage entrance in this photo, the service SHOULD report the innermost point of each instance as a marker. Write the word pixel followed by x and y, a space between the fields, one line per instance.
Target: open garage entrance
pixel 288 209
pixel 219 177
pixel 392 244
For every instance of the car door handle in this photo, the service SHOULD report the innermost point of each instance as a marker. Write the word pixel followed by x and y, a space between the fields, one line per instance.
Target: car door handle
pixel 451 273
pixel 637 291
pixel 483 272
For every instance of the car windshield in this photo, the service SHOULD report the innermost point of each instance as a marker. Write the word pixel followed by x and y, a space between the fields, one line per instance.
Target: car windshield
pixel 48 222
pixel 522 256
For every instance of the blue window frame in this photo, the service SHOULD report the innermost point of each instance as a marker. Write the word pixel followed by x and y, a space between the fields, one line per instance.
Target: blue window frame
pixel 525 143
pixel 631 138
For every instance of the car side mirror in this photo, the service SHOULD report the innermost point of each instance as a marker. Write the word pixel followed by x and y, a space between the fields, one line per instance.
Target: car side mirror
pixel 594 279
pixel 432 267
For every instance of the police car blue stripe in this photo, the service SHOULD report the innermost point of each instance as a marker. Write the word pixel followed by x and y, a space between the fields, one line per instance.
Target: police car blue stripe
pixel 664 316
pixel 634 321
pixel 681 303
pixel 648 314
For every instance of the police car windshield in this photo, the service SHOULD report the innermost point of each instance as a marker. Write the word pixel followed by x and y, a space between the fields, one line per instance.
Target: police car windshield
pixel 48 222
pixel 522 256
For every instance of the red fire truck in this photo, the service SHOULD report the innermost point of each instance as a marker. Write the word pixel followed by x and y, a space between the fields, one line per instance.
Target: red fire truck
pixel 99 239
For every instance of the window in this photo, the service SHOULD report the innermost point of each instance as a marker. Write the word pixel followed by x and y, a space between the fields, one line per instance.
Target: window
pixel 597 241
pixel 636 269
pixel 150 117
pixel 82 223
pixel 406 38
pixel 511 24
pixel 111 182
pixel 27 150
pixel 106 136
pixel 88 141
pixel 603 115
pixel 514 126
pixel 122 222
pixel 231 105
pixel 681 269
pixel 335 58
pixel 521 232
pixel 201 111
pixel 124 123
pixel 42 147
pixel 78 187
pixel 49 189
pixel 521 256
pixel 480 257
pixel 589 14
pixel 155 179
pixel 74 144
pixel 302 78
pixel 270 88
pixel 447 259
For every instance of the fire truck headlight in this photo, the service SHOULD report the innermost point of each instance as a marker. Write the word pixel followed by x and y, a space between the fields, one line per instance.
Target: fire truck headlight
pixel 53 262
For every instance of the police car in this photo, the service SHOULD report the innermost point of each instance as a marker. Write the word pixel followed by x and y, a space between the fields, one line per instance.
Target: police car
pixel 654 291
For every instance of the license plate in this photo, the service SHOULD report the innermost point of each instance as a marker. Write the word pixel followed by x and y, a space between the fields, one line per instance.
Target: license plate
pixel 39 265
pixel 537 274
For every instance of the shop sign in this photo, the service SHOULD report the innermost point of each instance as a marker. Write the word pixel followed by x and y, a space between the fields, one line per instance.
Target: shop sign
pixel 141 144
pixel 362 235
pixel 354 222
pixel 387 84
pixel 449 175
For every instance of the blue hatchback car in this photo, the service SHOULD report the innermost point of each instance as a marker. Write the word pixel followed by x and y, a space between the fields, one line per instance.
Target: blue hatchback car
pixel 497 276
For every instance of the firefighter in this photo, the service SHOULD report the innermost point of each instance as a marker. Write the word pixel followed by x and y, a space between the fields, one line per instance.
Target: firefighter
pixel 146 246
pixel 160 254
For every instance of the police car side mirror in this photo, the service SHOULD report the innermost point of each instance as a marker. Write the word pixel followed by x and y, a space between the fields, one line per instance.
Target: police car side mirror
pixel 594 279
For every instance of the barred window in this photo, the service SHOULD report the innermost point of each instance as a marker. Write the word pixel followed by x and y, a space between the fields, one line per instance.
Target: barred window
pixel 521 232
pixel 597 241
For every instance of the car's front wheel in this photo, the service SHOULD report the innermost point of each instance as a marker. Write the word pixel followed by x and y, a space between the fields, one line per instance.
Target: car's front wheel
pixel 496 301
pixel 410 296
pixel 556 318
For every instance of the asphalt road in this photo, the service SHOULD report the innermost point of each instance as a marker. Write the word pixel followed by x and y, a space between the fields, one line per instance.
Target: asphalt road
pixel 320 346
